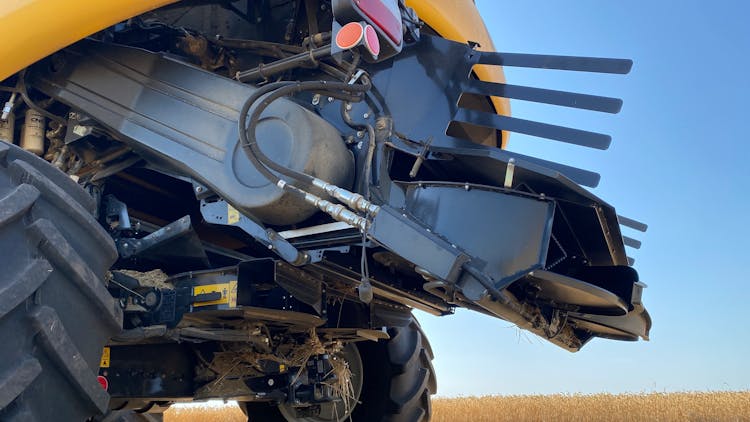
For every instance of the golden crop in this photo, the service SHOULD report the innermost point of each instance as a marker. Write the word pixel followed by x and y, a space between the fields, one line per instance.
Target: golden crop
pixel 675 407
pixel 718 406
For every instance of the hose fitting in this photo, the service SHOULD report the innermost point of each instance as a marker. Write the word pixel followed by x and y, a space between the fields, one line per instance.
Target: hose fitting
pixel 8 108
pixel 353 200
pixel 337 211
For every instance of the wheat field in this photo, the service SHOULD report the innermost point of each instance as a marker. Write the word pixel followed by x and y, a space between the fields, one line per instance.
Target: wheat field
pixel 672 407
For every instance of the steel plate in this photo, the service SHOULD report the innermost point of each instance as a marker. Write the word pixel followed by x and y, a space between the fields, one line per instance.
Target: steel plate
pixel 562 292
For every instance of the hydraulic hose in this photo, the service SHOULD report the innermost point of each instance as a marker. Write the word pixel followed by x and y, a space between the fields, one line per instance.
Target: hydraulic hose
pixel 266 166
pixel 275 91
pixel 279 66
pixel 366 175
pixel 244 141
pixel 21 86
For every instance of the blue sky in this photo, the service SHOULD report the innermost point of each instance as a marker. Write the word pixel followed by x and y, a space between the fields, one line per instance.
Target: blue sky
pixel 679 161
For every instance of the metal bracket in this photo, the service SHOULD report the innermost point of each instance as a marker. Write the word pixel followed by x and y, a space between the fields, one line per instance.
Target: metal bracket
pixel 420 158
pixel 222 213
pixel 509 170
pixel 180 231
pixel 116 213
pixel 79 126
pixel 316 255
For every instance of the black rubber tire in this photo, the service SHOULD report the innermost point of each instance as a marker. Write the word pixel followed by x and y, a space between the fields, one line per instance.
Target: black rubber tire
pixel 55 311
pixel 399 377
pixel 399 380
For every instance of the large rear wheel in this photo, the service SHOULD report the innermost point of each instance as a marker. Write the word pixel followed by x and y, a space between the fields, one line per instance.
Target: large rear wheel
pixel 396 383
pixel 55 311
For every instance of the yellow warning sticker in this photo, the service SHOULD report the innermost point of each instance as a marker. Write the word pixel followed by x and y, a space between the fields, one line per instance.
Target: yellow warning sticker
pixel 228 294
pixel 104 363
pixel 233 216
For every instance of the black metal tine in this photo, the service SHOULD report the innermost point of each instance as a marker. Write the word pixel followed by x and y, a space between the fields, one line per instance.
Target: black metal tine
pixel 580 176
pixel 631 261
pixel 633 224
pixel 546 96
pixel 544 61
pixel 633 243
pixel 528 127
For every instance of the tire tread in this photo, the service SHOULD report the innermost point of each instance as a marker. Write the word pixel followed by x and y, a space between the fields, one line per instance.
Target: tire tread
pixel 54 246
pixel 53 301
pixel 15 204
pixel 13 384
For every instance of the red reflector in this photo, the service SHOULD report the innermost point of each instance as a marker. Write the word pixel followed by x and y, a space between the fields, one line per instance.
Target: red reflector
pixel 103 382
pixel 371 41
pixel 385 16
pixel 349 36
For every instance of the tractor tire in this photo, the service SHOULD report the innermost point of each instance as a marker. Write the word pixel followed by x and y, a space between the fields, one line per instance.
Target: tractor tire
pixel 399 377
pixel 55 311
pixel 398 381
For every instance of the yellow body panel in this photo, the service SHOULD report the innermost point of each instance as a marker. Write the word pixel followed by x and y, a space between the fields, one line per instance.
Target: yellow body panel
pixel 33 29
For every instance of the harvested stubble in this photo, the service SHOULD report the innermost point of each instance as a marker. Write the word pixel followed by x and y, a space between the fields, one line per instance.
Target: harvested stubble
pixel 715 406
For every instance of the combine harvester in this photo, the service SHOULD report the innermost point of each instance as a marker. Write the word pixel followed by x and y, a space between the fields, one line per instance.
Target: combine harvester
pixel 244 200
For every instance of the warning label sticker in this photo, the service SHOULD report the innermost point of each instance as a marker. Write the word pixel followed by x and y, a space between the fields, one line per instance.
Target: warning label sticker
pixel 228 294
pixel 233 216
pixel 104 363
